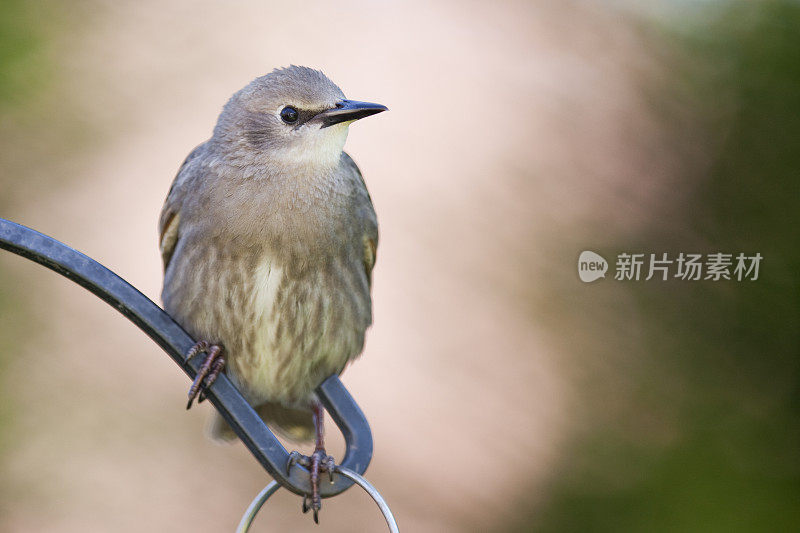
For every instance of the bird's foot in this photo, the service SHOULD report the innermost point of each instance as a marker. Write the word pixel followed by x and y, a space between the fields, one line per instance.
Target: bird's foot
pixel 318 462
pixel 208 372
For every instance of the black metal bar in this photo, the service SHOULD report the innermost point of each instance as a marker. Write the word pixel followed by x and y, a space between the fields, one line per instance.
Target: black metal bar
pixel 160 327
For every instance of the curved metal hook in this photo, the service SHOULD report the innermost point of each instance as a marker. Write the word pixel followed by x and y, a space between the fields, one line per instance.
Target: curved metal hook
pixel 374 494
pixel 255 507
pixel 160 327
pixel 269 490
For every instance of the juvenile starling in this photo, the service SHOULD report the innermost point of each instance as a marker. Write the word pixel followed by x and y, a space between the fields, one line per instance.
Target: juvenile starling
pixel 268 239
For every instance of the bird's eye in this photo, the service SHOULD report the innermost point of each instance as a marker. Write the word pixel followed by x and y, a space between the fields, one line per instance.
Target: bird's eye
pixel 289 114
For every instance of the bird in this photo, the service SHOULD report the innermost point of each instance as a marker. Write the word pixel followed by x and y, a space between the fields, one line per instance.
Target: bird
pixel 268 239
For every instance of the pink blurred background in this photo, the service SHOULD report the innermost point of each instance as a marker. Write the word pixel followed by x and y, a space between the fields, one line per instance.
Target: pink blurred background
pixel 511 127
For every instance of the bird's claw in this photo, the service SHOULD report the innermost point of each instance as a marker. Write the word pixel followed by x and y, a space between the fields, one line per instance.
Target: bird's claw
pixel 307 506
pixel 317 462
pixel 208 371
pixel 330 466
pixel 310 506
pixel 200 347
pixel 296 458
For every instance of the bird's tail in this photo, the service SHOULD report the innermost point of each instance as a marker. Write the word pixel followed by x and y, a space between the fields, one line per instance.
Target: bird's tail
pixel 295 424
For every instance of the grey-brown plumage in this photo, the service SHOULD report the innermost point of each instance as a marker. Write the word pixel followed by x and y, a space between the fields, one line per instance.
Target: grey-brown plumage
pixel 268 239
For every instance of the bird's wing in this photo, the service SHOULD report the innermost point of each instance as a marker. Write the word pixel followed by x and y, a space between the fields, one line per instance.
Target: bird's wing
pixel 171 212
pixel 367 216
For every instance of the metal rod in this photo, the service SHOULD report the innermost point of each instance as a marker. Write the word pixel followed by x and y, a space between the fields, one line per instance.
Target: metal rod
pixel 255 507
pixel 269 490
pixel 160 327
pixel 374 494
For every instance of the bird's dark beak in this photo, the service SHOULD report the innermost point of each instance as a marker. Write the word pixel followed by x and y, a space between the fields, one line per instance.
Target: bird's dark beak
pixel 348 111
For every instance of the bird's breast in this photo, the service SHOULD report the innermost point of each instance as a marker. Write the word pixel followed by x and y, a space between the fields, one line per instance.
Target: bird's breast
pixel 307 324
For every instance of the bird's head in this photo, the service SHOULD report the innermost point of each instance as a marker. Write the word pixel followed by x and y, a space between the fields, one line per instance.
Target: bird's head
pixel 293 116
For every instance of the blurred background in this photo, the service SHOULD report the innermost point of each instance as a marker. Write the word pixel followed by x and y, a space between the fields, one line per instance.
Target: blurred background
pixel 504 394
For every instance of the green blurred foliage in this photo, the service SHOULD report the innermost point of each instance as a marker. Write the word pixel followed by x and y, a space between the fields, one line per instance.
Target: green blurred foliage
pixel 24 63
pixel 42 129
pixel 26 73
pixel 709 439
pixel 38 134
